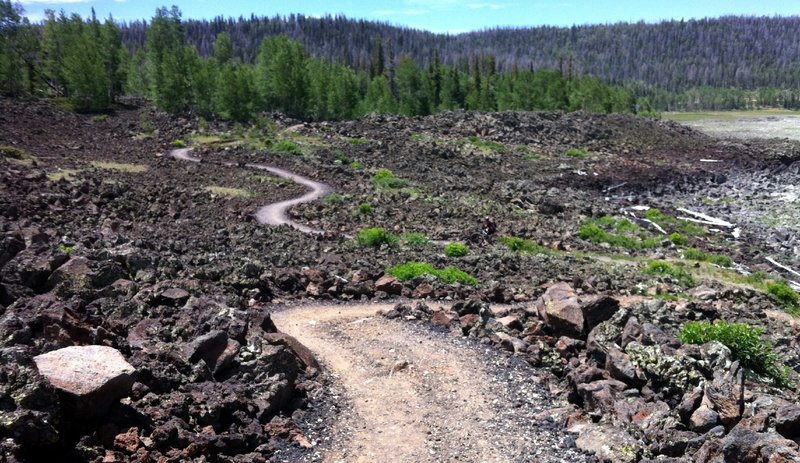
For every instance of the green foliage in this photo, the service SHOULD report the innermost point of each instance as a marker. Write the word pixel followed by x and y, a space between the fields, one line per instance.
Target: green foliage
pixel 282 77
pixel 449 274
pixel 385 179
pixel 357 165
pixel 365 208
pixel 456 250
pixel 357 141
pixel 690 228
pixel 333 198
pixel 677 273
pixel 287 147
pixel 66 248
pixel 415 239
pixel 786 296
pixel 487 145
pixel 375 237
pixel 629 236
pixel 12 152
pixel 577 152
pixel 523 246
pixel 179 143
pixel 702 256
pixel 746 345
pixel 678 239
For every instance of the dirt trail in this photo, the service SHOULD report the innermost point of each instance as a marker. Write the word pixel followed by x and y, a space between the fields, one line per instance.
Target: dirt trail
pixel 275 213
pixel 414 395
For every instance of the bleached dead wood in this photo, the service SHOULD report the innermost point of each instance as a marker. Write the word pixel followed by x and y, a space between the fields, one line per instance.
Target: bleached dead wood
pixel 781 266
pixel 703 218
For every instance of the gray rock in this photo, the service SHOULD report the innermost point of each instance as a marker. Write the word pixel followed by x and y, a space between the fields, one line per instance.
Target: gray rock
pixel 620 367
pixel 389 284
pixel 787 421
pixel 560 309
pixel 598 309
pixel 703 419
pixel 90 377
pixel 609 443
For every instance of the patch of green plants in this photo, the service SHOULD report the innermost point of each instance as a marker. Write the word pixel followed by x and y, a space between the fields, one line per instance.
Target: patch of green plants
pixel 341 158
pixel 690 228
pixel 702 256
pixel 63 174
pixel 365 208
pixel 122 167
pixel 627 234
pixel 17 155
pixel 357 165
pixel 145 123
pixel 456 250
pixel 385 179
pixel 663 220
pixel 270 179
pixel 179 143
pixel 229 192
pixel 678 239
pixel 676 273
pixel 746 345
pixel 577 152
pixel 786 296
pixel 357 141
pixel 100 118
pixel 415 239
pixel 287 147
pixel 66 248
pixel 375 237
pixel 487 145
pixel 523 246
pixel 333 198
pixel 449 274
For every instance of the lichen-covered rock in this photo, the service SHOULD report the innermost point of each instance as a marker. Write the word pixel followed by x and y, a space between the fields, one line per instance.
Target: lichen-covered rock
pixel 670 375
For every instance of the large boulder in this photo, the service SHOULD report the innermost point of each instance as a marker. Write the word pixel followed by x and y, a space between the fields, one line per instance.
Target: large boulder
pixel 560 309
pixel 90 378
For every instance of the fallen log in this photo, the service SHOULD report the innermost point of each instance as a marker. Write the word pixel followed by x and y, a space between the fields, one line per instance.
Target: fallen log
pixel 703 218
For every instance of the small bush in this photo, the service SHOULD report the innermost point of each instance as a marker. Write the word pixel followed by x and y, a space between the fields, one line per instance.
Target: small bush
pixel 577 152
pixel 334 198
pixel 786 296
pixel 358 141
pixel 375 237
pixel 690 228
pixel 12 152
pixel 356 165
pixel 676 273
pixel 456 250
pixel 745 343
pixel 384 178
pixel 365 208
pixel 450 274
pixel 678 239
pixel 415 239
pixel 702 256
pixel 100 118
pixel 591 231
pixel 179 143
pixel 67 248
pixel 486 144
pixel 522 245
pixel 658 217
pixel 287 147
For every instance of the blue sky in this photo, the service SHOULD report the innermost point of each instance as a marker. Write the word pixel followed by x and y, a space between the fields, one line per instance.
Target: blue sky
pixel 452 16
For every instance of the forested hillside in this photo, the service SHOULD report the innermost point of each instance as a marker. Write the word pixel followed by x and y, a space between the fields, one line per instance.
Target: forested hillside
pixel 709 63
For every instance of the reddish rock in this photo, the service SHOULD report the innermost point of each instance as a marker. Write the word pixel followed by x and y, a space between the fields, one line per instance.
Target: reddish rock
pixel 510 322
pixel 468 321
pixel 561 310
pixel 787 421
pixel 703 419
pixel 128 441
pixel 444 318
pixel 315 290
pixel 598 309
pixel 303 353
pixel 568 347
pixel 389 284
pixel 619 366
pixel 360 276
pixel 174 296
pixel 423 291
pixel 90 377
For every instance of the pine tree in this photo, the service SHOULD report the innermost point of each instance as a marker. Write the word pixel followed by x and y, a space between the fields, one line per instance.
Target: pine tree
pixel 281 75
pixel 167 60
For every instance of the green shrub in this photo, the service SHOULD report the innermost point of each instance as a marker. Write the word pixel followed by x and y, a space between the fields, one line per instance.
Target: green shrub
pixel 577 152
pixel 356 165
pixel 592 231
pixel 12 152
pixel 375 237
pixel 358 141
pixel 675 272
pixel 66 248
pixel 786 296
pixel 450 274
pixel 745 343
pixel 365 208
pixel 333 198
pixel 287 147
pixel 702 256
pixel 100 118
pixel 658 217
pixel 456 250
pixel 690 228
pixel 415 239
pixel 678 239
pixel 384 178
pixel 522 245
pixel 179 143
pixel 486 144
pixel 625 225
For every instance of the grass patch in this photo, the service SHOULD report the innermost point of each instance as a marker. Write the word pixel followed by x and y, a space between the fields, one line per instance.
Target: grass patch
pixel 287 147
pixel 270 179
pixel 577 152
pixel 678 239
pixel 486 145
pixel 63 174
pixel 206 139
pixel 179 143
pixel 17 155
pixel 357 165
pixel 333 198
pixel 786 296
pixel 415 239
pixel 523 246
pixel 375 237
pixel 357 141
pixel 456 250
pixel 690 228
pixel 677 273
pixel 746 345
pixel 365 208
pixel 661 219
pixel 628 235
pixel 229 192
pixel 385 179
pixel 702 256
pixel 449 274
pixel 122 167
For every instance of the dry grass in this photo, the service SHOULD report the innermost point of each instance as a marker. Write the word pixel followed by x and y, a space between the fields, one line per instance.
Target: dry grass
pixel 122 167
pixel 229 192
pixel 63 174
pixel 17 156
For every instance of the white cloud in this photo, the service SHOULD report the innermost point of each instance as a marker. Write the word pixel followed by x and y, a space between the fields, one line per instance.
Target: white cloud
pixel 485 6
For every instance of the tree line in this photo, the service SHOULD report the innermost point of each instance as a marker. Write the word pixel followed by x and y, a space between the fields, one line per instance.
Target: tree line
pixel 86 62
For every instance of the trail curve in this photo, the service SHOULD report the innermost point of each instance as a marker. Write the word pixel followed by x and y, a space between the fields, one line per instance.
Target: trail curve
pixel 273 213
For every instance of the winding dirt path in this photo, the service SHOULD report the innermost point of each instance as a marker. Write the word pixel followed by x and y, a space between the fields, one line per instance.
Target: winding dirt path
pixel 274 213
pixel 415 395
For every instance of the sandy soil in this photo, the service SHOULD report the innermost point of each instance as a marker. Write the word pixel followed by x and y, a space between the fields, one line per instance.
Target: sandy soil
pixel 413 395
